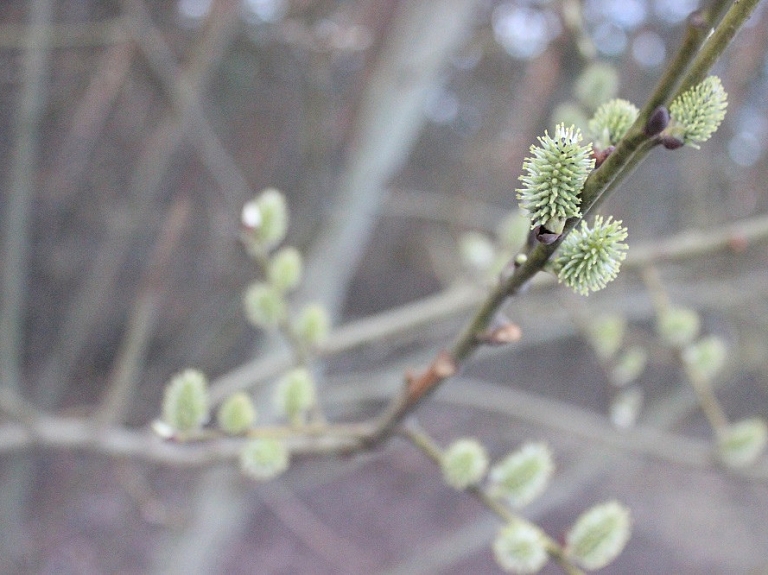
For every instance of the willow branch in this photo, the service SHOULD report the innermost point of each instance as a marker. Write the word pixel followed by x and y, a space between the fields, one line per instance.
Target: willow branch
pixel 603 181
pixel 428 446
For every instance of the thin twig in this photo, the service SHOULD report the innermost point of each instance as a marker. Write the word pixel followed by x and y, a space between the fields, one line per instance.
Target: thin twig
pixel 18 210
pixel 142 319
pixel 75 35
pixel 145 183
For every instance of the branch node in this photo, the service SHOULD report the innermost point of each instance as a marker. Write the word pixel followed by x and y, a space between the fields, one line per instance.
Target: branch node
pixel 500 335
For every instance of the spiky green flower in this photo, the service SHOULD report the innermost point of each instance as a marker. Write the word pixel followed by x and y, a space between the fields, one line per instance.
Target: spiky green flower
pixel 698 112
pixel 554 177
pixel 589 258
pixel 520 547
pixel 611 121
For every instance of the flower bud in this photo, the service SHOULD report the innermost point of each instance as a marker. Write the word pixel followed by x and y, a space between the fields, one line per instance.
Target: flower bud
pixel 295 394
pixel 264 305
pixel 704 359
pixel 598 83
pixel 237 414
pixel 312 325
pixel 678 326
pixel 606 334
pixel 629 366
pixel 520 547
pixel 523 475
pixel 741 443
pixel 464 463
pixel 264 459
pixel 285 269
pixel 611 121
pixel 599 535
pixel 569 113
pixel 265 220
pixel 185 403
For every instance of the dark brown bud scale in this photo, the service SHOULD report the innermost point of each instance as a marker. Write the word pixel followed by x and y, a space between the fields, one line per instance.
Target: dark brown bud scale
pixel 544 236
pixel 657 122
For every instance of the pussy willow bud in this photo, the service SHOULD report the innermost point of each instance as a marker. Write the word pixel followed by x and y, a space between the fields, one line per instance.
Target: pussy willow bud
pixel 704 359
pixel 520 547
pixel 264 459
pixel 589 258
pixel 312 325
pixel 698 112
pixel 464 463
pixel 523 475
pixel 264 305
pixel 598 83
pixel 741 443
pixel 285 268
pixel 678 326
pixel 570 113
pixel 599 535
pixel 554 177
pixel 237 414
pixel 629 366
pixel 185 403
pixel 265 220
pixel 611 121
pixel 606 334
pixel 295 394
